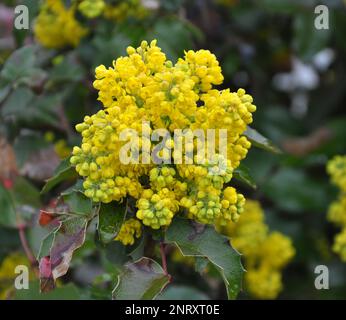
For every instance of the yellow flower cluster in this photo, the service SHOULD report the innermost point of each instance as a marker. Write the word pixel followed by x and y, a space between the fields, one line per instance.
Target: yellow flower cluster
pixel 125 9
pixel 266 253
pixel 337 210
pixel 142 93
pixel 56 25
pixel 7 273
pixel 129 230
pixel 91 8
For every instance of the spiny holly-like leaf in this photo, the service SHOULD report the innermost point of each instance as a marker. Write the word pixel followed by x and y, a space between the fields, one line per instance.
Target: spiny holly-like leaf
pixel 206 242
pixel 57 250
pixel 259 141
pixel 140 280
pixel 64 172
pixel 242 173
pixel 111 218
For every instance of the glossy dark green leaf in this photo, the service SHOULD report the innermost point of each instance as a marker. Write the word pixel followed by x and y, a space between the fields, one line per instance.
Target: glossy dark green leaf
pixel 65 171
pixel 140 280
pixel 260 141
pixel 242 174
pixel 208 243
pixel 111 218
pixel 78 203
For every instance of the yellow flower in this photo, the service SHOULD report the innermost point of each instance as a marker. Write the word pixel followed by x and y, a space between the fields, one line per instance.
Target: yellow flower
pixel 337 210
pixel 143 93
pixel 125 9
pixel 57 27
pixel 337 170
pixel 265 253
pixel 340 244
pixel 277 250
pixel 129 230
pixel 91 8
pixel 263 283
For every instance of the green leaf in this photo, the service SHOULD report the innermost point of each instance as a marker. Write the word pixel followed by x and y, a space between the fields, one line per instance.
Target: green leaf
pixel 140 280
pixel 27 144
pixel 17 102
pixel 260 141
pixel 19 64
pixel 47 243
pixel 242 174
pixel 65 171
pixel 208 243
pixel 111 218
pixel 30 108
pixel 182 293
pixel 78 203
pixel 26 193
pixel 36 234
pixel 8 211
pixel 67 70
pixel 4 91
pixel 137 250
pixel 201 264
pixel 77 187
pixel 116 255
pixel 291 189
pixel 19 203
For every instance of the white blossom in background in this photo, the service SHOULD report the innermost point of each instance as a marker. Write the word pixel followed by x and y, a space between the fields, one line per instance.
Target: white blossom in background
pixel 323 59
pixel 151 4
pixel 303 78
